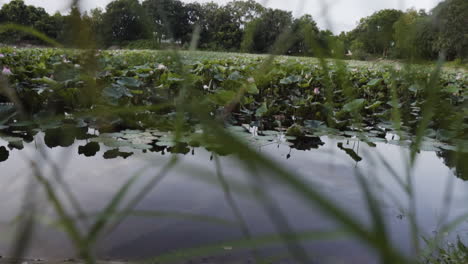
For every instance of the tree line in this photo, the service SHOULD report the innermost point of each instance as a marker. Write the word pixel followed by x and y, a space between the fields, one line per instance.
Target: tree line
pixel 247 26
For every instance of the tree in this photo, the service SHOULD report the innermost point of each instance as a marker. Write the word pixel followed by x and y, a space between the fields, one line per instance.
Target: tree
pixel 76 30
pixel 451 18
pixel 18 12
pixel 96 20
pixel 405 34
pixel 168 18
pixel 245 12
pixel 376 32
pixel 262 33
pixel 305 32
pixel 414 35
pixel 124 20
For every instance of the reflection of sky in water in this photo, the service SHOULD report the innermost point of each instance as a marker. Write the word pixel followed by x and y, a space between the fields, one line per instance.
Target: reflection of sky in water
pixel 186 189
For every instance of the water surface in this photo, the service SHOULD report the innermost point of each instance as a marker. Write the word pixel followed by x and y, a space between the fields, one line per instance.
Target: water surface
pixel 193 189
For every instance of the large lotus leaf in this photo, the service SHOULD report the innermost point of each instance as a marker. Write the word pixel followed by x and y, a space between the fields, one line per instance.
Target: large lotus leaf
pixel 313 124
pixel 262 110
pixel 374 82
pixel 129 82
pixel 374 106
pixel 116 92
pixel 235 76
pixel 291 79
pixel 222 97
pixel 354 105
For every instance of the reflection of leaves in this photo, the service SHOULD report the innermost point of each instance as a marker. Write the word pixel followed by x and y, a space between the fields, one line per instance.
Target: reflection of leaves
pixel 307 143
pixel 55 137
pixel 115 153
pixel 350 152
pixel 89 149
pixel 457 161
pixel 16 144
pixel 64 136
pixel 179 148
pixel 4 154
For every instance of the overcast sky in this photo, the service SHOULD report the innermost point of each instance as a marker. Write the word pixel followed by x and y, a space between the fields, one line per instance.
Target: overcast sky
pixel 338 15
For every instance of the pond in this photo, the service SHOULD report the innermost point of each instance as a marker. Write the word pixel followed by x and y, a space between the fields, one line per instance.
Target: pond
pixel 192 206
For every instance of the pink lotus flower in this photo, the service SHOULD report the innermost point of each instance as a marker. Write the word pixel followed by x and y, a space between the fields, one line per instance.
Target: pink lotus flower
pixel 6 71
pixel 2 55
pixel 316 91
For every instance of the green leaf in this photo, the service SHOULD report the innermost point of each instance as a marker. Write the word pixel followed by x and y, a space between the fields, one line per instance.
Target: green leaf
pixel 129 82
pixel 374 105
pixel 261 110
pixel 291 79
pixel 252 88
pixel 354 105
pixel 222 97
pixel 453 89
pixel 235 76
pixel 374 82
pixel 116 92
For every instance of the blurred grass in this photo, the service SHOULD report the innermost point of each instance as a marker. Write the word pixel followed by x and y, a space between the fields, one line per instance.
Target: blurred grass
pixel 376 237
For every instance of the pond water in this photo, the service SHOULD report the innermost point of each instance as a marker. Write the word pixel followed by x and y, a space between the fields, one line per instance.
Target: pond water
pixel 183 201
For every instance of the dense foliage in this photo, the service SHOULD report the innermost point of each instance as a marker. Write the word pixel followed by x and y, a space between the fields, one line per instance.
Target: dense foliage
pixel 249 27
pixel 294 95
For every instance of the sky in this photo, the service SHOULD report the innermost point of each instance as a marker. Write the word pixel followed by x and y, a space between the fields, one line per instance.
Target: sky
pixel 335 15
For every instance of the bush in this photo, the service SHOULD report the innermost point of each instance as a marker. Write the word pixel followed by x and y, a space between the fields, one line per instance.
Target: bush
pixel 141 44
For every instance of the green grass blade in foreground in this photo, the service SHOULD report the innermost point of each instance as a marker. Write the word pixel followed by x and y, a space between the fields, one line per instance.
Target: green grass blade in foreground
pixel 376 216
pixel 29 30
pixel 150 185
pixel 273 210
pixel 111 208
pixel 232 203
pixel 296 184
pixel 68 223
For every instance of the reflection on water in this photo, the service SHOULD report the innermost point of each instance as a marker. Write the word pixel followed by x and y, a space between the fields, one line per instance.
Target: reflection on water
pixel 189 207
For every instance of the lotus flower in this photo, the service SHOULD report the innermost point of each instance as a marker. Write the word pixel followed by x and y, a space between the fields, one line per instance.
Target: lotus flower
pixel 251 80
pixel 161 67
pixel 6 71
pixel 2 55
pixel 316 91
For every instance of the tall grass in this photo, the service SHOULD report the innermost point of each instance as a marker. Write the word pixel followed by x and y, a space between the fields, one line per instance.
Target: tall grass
pixel 376 236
